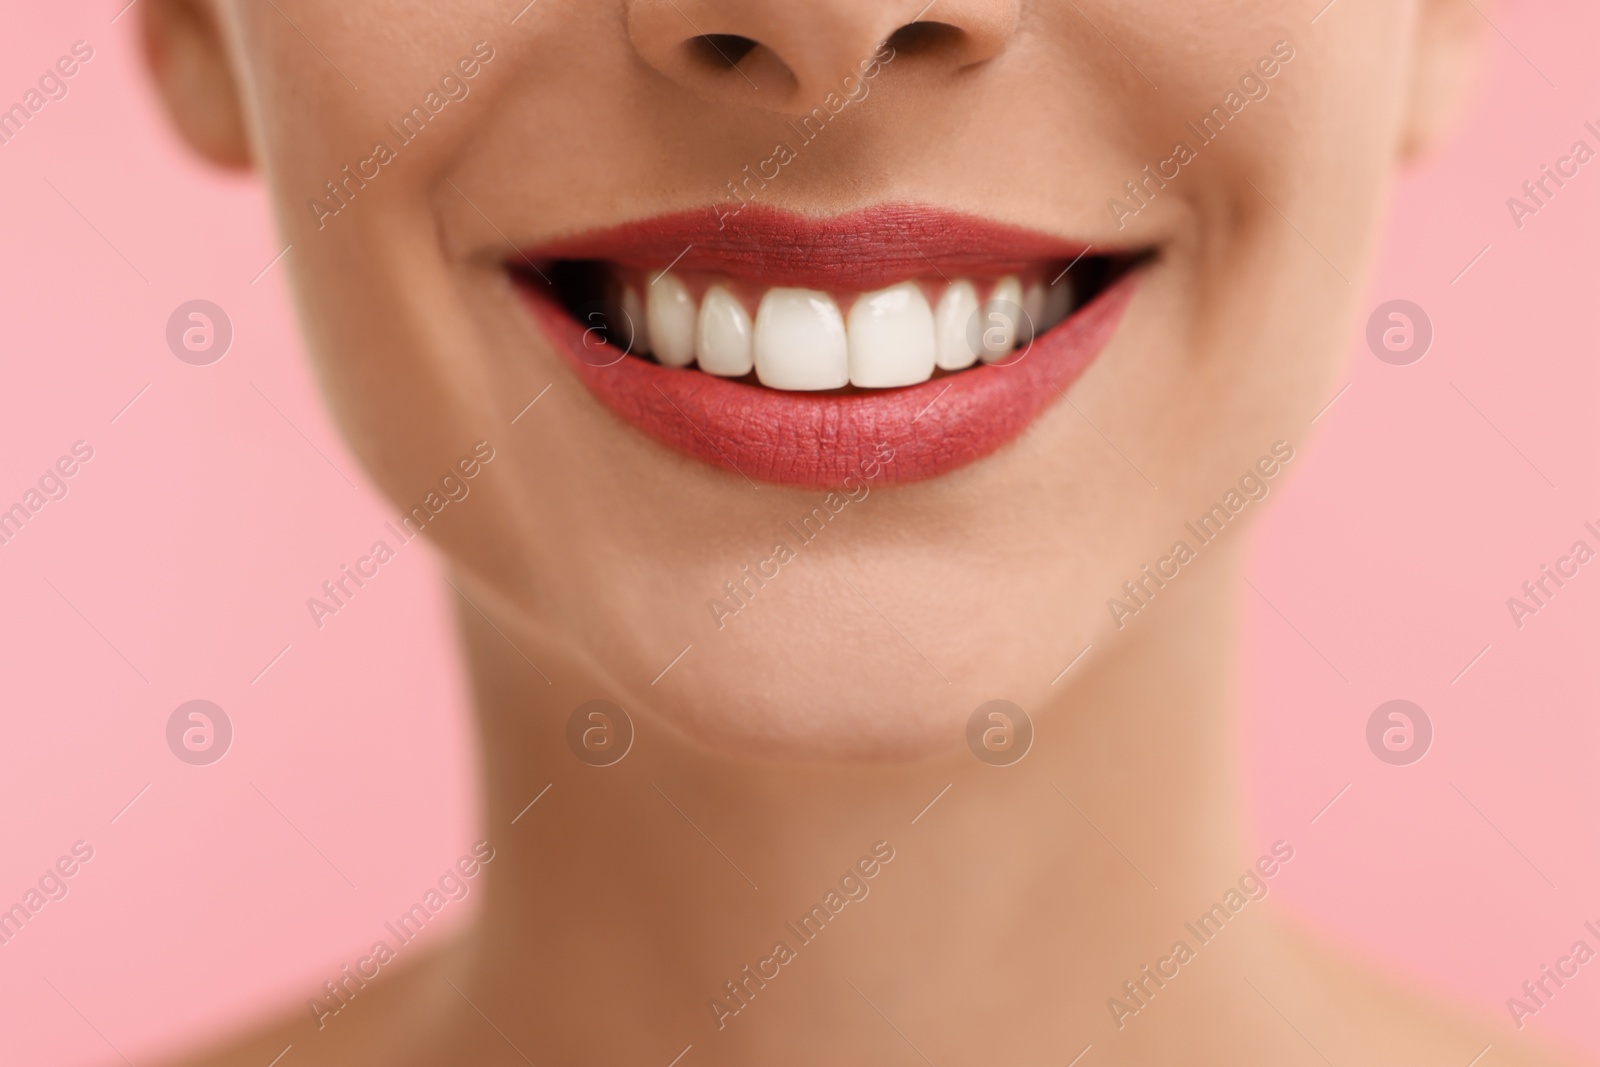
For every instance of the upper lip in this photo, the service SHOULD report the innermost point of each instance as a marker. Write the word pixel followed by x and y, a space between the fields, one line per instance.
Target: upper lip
pixel 861 251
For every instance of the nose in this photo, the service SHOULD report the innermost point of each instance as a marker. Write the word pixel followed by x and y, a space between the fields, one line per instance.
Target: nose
pixel 787 55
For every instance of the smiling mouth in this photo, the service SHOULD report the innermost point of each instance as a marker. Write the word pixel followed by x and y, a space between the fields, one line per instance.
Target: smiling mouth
pixel 788 348
pixel 815 340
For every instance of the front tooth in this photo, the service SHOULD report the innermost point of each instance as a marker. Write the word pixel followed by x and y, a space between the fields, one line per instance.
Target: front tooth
pixel 634 316
pixel 800 341
pixel 1032 323
pixel 891 338
pixel 670 321
pixel 724 345
pixel 1057 303
pixel 954 316
pixel 1000 315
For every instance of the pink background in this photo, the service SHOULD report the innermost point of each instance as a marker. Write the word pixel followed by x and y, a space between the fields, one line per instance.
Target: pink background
pixel 192 539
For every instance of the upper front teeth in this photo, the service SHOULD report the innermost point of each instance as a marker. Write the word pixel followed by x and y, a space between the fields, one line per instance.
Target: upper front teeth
pixel 891 338
pixel 725 345
pixel 799 340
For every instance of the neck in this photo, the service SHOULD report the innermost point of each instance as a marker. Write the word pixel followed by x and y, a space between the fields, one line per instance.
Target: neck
pixel 659 890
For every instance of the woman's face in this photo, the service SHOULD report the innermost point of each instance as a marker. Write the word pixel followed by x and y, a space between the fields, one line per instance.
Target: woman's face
pixel 1220 165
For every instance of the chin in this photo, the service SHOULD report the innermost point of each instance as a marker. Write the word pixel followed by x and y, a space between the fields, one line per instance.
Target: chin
pixel 861 649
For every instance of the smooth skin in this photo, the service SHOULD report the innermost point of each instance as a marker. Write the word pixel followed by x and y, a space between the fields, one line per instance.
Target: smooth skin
pixel 809 727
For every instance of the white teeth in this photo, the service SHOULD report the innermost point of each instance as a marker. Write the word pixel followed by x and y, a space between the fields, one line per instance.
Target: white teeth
pixel 951 319
pixel 1000 315
pixel 1057 303
pixel 670 321
pixel 634 319
pixel 1032 313
pixel 725 335
pixel 800 341
pixel 891 339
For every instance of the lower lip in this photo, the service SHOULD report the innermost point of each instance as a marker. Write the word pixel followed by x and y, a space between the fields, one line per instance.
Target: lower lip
pixel 817 440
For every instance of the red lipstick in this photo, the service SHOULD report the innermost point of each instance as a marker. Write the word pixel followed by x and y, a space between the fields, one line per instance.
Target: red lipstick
pixel 817 439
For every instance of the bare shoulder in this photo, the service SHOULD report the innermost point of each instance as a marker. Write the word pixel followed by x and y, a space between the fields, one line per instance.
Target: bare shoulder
pixel 379 1025
pixel 1382 1019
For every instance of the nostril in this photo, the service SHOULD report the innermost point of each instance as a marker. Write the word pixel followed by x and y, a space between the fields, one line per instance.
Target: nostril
pixel 719 51
pixel 788 57
pixel 920 37
pixel 716 56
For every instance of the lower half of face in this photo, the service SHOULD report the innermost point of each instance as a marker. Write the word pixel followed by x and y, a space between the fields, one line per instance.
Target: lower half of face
pixel 828 387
